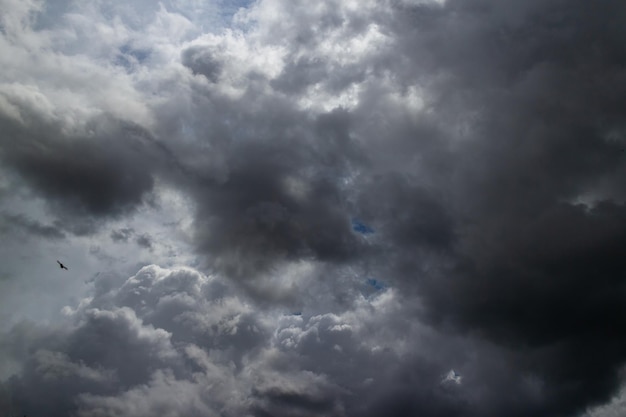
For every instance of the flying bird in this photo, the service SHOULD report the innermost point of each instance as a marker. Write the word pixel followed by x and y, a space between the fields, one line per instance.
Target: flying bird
pixel 62 266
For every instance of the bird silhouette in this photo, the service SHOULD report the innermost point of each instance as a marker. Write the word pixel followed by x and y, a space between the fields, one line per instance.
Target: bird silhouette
pixel 62 266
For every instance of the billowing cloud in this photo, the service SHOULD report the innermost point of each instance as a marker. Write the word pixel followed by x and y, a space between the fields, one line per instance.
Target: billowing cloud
pixel 384 207
pixel 176 341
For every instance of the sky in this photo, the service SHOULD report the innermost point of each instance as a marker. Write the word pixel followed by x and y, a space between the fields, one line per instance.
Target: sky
pixel 336 208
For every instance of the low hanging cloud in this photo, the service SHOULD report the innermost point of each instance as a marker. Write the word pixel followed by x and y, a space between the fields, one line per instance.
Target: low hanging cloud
pixel 31 227
pixel 377 197
pixel 176 341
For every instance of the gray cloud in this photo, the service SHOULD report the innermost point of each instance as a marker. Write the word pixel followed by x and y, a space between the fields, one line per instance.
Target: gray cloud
pixel 481 141
pixel 145 241
pixel 531 267
pixel 200 61
pixel 79 175
pixel 122 235
pixel 32 227
pixel 182 330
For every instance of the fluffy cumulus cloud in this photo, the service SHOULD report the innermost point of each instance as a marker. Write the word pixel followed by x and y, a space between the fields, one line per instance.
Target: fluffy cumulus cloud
pixel 286 208
pixel 177 342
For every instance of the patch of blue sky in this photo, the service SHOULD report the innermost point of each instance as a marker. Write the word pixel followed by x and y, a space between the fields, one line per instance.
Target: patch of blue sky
pixel 228 8
pixel 129 57
pixel 376 284
pixel 50 15
pixel 360 227
pixel 140 54
pixel 371 287
pixel 209 16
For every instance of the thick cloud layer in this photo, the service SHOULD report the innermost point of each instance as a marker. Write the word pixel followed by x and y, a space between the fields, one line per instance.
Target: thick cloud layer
pixel 178 342
pixel 371 195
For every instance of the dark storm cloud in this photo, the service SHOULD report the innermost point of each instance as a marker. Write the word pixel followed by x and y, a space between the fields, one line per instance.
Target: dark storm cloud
pixel 475 197
pixel 410 215
pixel 200 61
pixel 279 199
pixel 306 72
pixel 480 140
pixel 275 401
pixel 101 171
pixel 85 362
pixel 174 341
pixel 553 284
pixel 526 99
pixel 122 235
pixel 30 226
pixel 145 241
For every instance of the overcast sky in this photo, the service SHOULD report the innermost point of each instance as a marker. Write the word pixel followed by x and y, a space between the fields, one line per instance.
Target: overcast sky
pixel 339 208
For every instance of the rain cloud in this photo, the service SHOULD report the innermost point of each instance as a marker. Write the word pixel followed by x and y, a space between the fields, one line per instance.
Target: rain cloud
pixel 275 208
